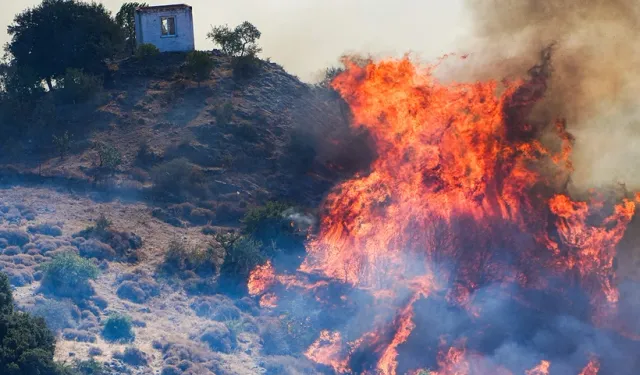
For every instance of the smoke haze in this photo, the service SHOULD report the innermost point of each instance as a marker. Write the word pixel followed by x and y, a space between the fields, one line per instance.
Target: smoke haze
pixel 595 79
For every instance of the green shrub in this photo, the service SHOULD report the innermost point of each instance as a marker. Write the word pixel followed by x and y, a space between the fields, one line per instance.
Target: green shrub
pixel 241 44
pixel 184 257
pixel 178 178
pixel 224 113
pixel 62 144
pixel 269 224
pixel 118 327
pixel 241 257
pixel 79 87
pixel 147 51
pixel 89 367
pixel 199 65
pixel 68 275
pixel 108 155
pixel 6 296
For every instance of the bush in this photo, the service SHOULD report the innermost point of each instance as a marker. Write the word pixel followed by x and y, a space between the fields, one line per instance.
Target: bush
pixel 89 367
pixel 62 144
pixel 224 113
pixel 48 229
pixel 241 257
pixel 219 338
pixel 118 328
pixel 147 51
pixel 184 257
pixel 57 314
pixel 14 237
pixel 132 356
pixel 109 156
pixel 178 178
pixel 199 65
pixel 68 275
pixel 79 87
pixel 270 224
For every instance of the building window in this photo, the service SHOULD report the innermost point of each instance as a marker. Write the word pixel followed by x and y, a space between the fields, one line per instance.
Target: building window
pixel 168 26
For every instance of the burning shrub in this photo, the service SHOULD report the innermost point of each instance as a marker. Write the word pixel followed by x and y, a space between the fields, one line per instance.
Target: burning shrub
pixel 272 223
pixel 118 328
pixel 241 256
pixel 68 275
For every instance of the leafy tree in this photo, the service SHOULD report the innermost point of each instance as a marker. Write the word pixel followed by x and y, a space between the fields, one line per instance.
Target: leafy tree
pixel 239 42
pixel 60 34
pixel 199 65
pixel 6 297
pixel 125 18
pixel 26 344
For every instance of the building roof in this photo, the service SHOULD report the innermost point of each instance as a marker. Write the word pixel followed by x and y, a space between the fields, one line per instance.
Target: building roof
pixel 162 7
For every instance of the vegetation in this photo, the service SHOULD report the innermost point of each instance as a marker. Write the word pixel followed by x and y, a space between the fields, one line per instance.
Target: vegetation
pixel 125 18
pixel 57 35
pixel 184 257
pixel 108 155
pixel 118 327
pixel 178 178
pixel 68 275
pixel 62 144
pixel 240 43
pixel 26 344
pixel 242 255
pixel 146 51
pixel 78 86
pixel 269 224
pixel 199 65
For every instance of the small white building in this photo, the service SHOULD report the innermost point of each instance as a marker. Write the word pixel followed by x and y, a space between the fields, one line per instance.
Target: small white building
pixel 168 27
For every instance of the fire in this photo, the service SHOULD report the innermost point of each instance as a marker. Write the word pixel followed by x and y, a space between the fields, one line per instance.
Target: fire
pixel 592 368
pixel 461 195
pixel 541 369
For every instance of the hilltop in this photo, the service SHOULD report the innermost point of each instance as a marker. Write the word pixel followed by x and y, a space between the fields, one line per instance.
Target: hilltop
pixel 172 165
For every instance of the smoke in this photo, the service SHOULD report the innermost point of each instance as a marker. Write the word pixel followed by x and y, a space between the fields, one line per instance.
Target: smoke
pixel 595 78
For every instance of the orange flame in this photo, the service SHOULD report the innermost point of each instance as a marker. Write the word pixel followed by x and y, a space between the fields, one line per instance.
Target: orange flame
pixel 458 170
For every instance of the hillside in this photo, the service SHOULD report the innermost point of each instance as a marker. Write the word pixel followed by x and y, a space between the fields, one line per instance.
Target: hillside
pixel 194 158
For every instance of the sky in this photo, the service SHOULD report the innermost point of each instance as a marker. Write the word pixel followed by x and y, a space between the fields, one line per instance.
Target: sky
pixel 306 36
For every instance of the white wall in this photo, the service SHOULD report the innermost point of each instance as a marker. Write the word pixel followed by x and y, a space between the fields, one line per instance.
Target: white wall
pixel 148 29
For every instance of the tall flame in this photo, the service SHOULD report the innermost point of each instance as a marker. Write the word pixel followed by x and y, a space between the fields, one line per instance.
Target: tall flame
pixel 461 194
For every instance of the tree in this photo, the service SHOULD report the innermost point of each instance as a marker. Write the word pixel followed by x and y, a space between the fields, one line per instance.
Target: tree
pixel 199 65
pixel 6 297
pixel 239 42
pixel 125 18
pixel 26 344
pixel 60 34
